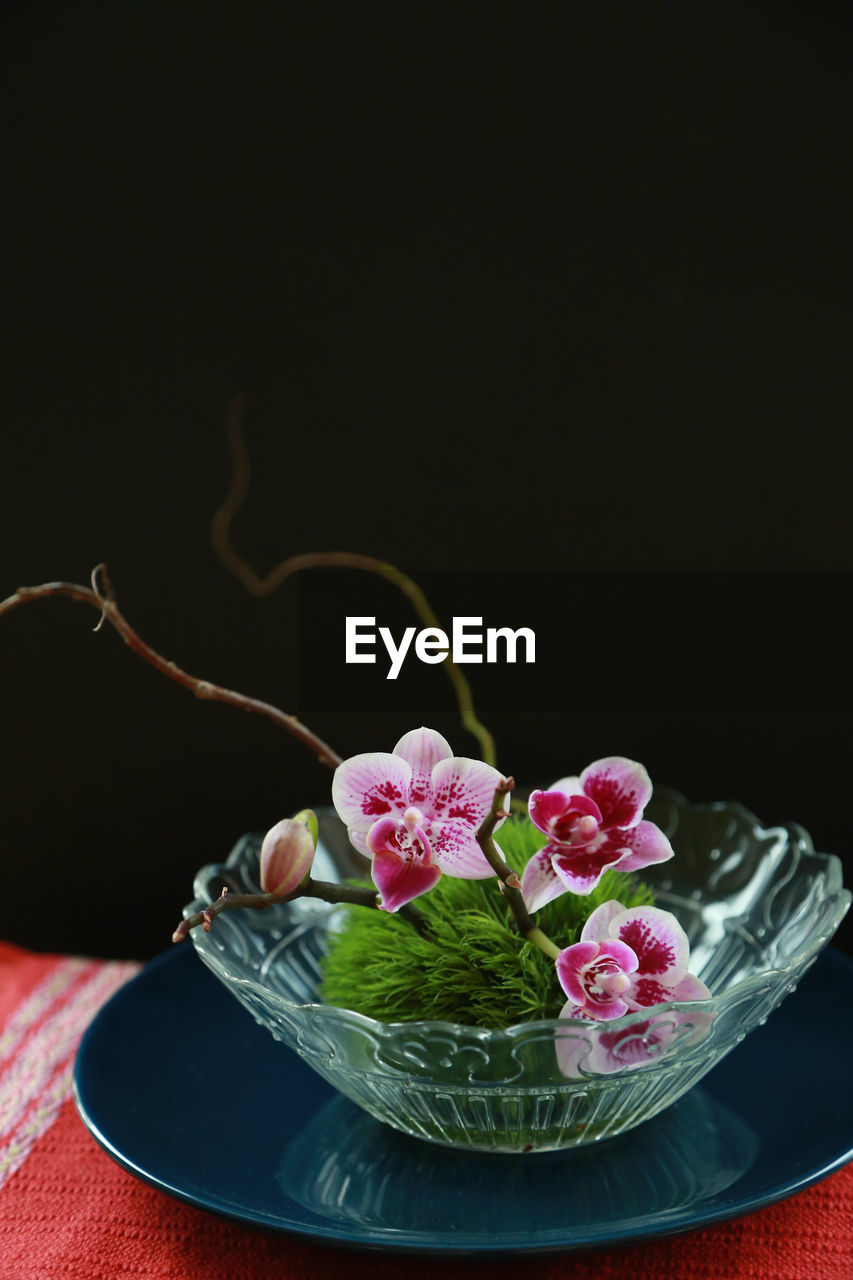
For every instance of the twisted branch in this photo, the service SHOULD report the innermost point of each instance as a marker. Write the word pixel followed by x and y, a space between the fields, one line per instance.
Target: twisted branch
pixel 358 895
pixel 510 883
pixel 258 586
pixel 100 596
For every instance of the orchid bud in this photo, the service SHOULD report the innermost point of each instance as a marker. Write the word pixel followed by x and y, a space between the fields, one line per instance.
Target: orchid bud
pixel 287 854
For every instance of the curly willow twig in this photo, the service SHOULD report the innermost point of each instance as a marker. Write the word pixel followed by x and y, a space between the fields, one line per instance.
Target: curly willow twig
pixel 101 597
pixel 258 586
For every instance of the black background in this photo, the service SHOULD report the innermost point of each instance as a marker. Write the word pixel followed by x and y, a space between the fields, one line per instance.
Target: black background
pixel 547 304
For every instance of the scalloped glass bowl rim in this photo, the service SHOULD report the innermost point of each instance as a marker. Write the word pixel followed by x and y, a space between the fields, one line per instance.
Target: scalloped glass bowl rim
pixel 312 911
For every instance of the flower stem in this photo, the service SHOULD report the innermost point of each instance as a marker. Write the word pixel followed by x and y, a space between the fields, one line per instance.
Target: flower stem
pixel 258 586
pixel 510 883
pixel 543 942
pixel 362 896
pixel 324 890
pixel 103 600
pixel 227 901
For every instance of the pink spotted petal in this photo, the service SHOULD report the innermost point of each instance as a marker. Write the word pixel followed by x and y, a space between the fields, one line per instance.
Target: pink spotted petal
pixel 570 964
pixel 690 988
pixel 455 848
pixel 539 881
pixel 422 749
pixel 581 869
pixel 646 992
pixel 464 789
pixel 621 788
pixel 646 843
pixel 368 786
pixel 556 812
pixel 597 925
pixel 658 940
pixel 400 879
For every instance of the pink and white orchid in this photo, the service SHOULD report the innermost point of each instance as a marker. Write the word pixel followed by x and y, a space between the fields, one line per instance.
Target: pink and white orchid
pixel 626 960
pixel 592 822
pixel 416 811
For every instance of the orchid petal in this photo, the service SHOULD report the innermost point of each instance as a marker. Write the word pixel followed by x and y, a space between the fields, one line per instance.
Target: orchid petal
pixel 648 991
pixel 464 789
pixel 454 845
pixel 556 812
pixel 383 836
pixel 422 749
pixel 597 925
pixel 539 881
pixel 647 844
pixel 589 974
pixel 621 788
pixel 658 940
pixel 570 786
pixel 623 955
pixel 544 806
pixel 358 840
pixel 690 988
pixel 570 964
pixel 400 879
pixel 615 1007
pixel 581 868
pixel 367 786
pixel 403 866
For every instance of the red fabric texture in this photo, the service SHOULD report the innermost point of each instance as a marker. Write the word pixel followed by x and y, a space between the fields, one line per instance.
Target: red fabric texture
pixel 67 1212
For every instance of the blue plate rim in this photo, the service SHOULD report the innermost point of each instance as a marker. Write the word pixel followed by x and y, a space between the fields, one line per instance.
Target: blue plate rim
pixel 408 1241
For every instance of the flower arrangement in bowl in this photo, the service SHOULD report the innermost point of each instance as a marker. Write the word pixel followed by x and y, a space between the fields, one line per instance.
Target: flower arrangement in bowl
pixel 514 1012
pixel 504 979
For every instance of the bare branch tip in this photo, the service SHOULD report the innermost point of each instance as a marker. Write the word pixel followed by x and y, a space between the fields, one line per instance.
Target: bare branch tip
pixel 105 595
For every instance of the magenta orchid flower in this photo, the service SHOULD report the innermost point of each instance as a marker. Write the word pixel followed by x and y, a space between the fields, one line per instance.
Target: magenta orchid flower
pixel 626 960
pixel 415 812
pixel 592 822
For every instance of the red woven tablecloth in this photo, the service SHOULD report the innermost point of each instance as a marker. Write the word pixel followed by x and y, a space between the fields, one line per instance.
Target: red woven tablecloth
pixel 66 1210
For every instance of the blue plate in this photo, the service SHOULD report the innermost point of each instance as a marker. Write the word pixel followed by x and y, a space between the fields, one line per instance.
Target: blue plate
pixel 183 1090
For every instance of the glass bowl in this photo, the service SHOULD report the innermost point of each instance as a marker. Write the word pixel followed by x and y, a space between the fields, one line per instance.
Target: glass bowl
pixel 758 904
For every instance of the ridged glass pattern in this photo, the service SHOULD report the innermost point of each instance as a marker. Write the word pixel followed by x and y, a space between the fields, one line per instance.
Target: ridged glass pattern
pixel 758 904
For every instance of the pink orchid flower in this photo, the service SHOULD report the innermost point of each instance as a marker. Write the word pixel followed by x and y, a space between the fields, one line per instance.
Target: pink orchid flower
pixel 592 822
pixel 416 811
pixel 626 960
